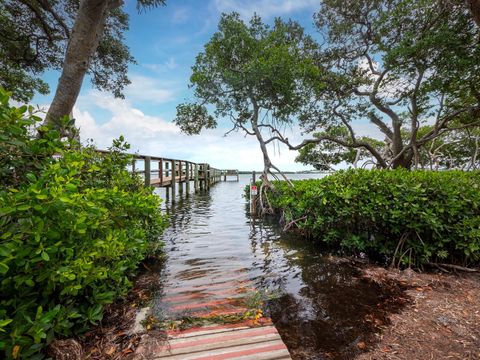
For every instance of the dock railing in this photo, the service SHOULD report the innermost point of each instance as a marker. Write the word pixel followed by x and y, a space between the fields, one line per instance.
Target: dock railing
pixel 170 173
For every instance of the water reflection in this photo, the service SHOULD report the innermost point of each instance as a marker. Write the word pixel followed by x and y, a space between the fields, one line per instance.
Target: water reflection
pixel 216 251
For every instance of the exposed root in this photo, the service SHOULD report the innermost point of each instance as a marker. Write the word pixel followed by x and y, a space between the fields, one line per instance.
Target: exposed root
pixel 293 222
pixel 453 267
pixel 267 185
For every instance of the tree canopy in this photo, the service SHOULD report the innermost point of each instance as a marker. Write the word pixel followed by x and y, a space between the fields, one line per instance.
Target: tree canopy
pixel 34 35
pixel 260 77
pixel 402 65
pixel 409 68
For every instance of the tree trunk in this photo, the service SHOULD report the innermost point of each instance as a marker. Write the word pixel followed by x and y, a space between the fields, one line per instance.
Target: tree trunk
pixel 397 147
pixel 83 42
pixel 474 7
pixel 267 163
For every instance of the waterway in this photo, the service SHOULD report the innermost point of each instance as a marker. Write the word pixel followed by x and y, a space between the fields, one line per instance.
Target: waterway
pixel 321 306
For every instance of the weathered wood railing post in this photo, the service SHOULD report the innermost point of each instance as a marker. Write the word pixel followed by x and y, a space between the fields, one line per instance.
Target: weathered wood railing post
pixel 195 180
pixel 160 171
pixel 173 182
pixel 148 173
pixel 208 178
pixel 188 174
pixel 180 177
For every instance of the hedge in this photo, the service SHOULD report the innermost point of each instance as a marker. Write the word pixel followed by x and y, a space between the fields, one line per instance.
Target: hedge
pixel 405 217
pixel 74 225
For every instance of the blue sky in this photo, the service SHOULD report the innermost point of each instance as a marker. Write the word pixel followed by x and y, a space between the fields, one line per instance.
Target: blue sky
pixel 165 42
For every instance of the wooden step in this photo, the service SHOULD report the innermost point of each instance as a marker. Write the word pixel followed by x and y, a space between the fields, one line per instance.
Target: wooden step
pixel 222 342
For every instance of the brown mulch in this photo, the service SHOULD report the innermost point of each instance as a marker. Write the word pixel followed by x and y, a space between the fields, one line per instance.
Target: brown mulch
pixel 437 318
pixel 112 338
pixel 442 321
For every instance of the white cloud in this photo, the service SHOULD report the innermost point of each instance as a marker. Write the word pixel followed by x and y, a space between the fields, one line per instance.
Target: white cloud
pixel 156 136
pixel 390 87
pixel 264 8
pixel 146 89
pixel 168 65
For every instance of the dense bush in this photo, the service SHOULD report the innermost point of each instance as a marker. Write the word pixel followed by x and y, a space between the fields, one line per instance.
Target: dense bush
pixel 74 224
pixel 406 216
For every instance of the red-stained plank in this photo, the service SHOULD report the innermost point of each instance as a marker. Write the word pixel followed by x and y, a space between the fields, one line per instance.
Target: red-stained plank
pixel 219 338
pixel 225 285
pixel 235 354
pixel 214 328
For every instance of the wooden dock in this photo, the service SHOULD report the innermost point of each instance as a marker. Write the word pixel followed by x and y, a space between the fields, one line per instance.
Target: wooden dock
pixel 173 173
pixel 225 342
pixel 241 340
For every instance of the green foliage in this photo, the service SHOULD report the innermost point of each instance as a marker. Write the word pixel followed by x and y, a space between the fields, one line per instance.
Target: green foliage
pixel 326 153
pixel 402 65
pixel 251 66
pixel 74 224
pixel 34 37
pixel 429 215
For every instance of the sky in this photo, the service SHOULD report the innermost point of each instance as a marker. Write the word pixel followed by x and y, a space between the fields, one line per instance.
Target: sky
pixel 165 42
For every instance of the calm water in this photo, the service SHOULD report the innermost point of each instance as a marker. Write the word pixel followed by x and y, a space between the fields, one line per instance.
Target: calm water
pixel 322 304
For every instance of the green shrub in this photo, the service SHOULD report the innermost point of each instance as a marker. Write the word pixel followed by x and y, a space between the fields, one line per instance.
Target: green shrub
pixel 74 225
pixel 405 216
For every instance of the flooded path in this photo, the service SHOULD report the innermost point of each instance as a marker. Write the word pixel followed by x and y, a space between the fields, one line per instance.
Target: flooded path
pixel 218 255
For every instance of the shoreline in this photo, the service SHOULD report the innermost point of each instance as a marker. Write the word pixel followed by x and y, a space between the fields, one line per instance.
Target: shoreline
pixel 429 315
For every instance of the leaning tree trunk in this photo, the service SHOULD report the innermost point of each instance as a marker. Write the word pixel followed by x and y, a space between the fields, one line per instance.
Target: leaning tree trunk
pixel 266 185
pixel 474 7
pixel 83 42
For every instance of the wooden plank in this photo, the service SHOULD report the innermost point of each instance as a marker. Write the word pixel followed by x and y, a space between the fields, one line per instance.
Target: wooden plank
pixel 193 332
pixel 225 346
pixel 221 338
pixel 229 352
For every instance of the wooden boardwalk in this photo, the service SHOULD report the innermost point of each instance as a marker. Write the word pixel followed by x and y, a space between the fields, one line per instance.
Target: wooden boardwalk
pixel 224 342
pixel 173 173
pixel 207 296
pixel 244 340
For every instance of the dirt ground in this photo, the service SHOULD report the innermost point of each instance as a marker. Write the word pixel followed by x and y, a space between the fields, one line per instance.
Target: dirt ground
pixel 442 320
pixel 112 338
pixel 439 319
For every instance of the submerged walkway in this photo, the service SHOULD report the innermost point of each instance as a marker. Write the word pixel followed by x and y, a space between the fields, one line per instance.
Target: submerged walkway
pixel 208 294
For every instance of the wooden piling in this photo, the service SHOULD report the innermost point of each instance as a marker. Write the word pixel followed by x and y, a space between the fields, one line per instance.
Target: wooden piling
pixel 173 181
pixel 173 173
pixel 195 180
pixel 207 176
pixel 160 171
pixel 187 175
pixel 180 177
pixel 148 172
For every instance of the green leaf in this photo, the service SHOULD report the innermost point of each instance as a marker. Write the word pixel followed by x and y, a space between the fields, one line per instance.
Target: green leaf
pixel 4 323
pixel 3 268
pixel 45 256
